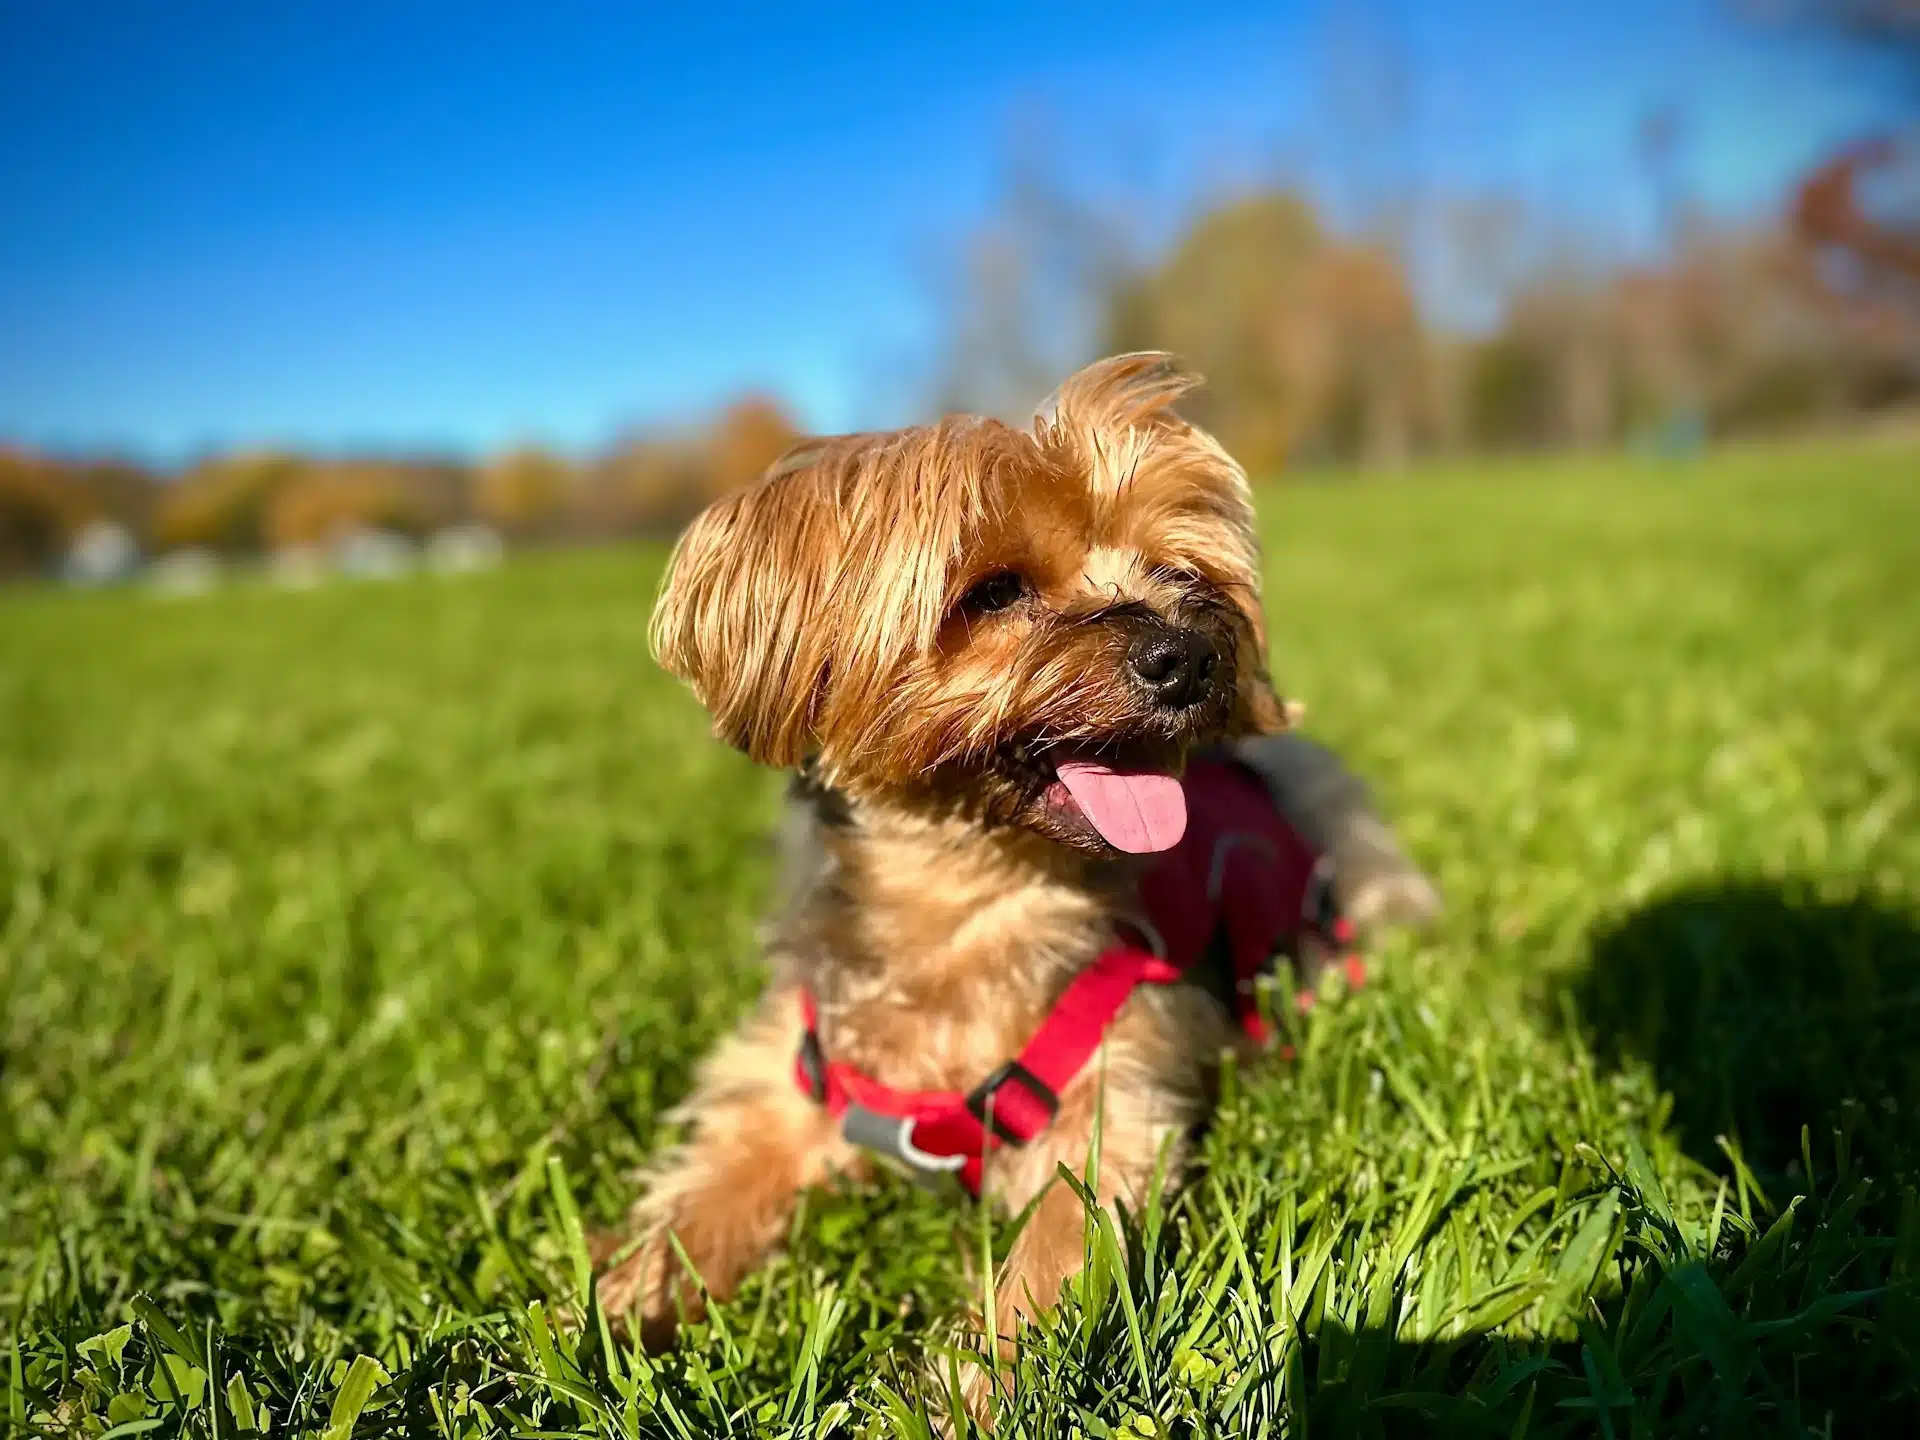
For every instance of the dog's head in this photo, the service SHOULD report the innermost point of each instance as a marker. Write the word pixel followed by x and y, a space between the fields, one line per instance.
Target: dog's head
pixel 1023 628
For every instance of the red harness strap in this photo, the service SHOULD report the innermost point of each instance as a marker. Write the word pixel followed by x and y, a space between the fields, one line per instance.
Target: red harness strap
pixel 1241 878
pixel 954 1130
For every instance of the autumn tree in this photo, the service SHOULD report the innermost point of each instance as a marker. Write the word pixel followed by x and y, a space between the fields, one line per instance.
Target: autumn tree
pixel 524 493
pixel 750 435
pixel 221 504
pixel 39 509
pixel 337 498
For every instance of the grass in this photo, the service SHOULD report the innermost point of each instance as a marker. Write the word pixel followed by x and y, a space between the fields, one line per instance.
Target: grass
pixel 353 943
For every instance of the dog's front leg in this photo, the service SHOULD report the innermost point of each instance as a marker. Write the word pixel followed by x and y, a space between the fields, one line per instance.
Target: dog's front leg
pixel 1144 1094
pixel 726 1192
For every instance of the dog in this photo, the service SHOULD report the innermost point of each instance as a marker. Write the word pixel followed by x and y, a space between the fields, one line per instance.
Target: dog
pixel 1043 781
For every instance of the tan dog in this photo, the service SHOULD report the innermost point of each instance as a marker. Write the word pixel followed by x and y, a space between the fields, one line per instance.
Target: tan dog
pixel 993 652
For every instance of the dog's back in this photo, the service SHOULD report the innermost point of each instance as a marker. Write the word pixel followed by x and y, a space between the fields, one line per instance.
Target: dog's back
pixel 1377 883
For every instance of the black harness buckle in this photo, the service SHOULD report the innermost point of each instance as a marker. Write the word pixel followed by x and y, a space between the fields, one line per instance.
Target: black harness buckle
pixel 813 1064
pixel 1320 906
pixel 981 1094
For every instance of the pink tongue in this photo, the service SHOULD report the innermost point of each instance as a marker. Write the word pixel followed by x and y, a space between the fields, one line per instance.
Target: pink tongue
pixel 1135 811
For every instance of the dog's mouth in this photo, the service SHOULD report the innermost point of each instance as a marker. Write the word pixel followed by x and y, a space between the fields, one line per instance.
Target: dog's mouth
pixel 1110 797
pixel 1139 811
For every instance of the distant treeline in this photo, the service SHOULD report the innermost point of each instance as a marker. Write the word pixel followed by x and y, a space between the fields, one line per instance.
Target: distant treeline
pixel 1319 346
pixel 1315 342
pixel 259 501
pixel 1327 354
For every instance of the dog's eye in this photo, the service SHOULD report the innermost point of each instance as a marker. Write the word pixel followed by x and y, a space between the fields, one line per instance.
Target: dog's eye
pixel 1179 575
pixel 996 592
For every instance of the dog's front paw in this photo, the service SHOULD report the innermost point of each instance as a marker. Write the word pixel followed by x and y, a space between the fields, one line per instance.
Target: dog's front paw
pixel 1381 888
pixel 639 1297
pixel 979 1385
pixel 981 1380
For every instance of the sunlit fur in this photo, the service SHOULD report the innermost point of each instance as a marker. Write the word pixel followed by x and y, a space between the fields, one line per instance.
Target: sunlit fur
pixel 941 902
pixel 816 613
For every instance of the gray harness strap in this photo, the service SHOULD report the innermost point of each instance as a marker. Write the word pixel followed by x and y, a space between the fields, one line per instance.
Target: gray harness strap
pixel 892 1136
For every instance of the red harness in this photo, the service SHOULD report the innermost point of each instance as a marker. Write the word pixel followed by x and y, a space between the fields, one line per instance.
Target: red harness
pixel 1241 888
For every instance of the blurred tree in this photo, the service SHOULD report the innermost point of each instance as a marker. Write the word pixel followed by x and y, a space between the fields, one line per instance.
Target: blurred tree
pixel 1775 344
pixel 1477 258
pixel 1369 312
pixel 1560 325
pixel 1878 42
pixel 118 490
pixel 1670 387
pixel 39 509
pixel 525 492
pixel 749 436
pixel 221 504
pixel 1829 212
pixel 1368 114
pixel 330 501
pixel 652 484
pixel 1309 345
pixel 1661 145
pixel 1024 299
pixel 656 483
pixel 1231 299
pixel 45 502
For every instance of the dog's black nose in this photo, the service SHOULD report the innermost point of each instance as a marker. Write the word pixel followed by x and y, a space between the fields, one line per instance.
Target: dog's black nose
pixel 1175 666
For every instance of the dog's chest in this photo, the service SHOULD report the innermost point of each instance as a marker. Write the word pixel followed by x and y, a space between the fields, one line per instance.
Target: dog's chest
pixel 942 1014
pixel 914 1041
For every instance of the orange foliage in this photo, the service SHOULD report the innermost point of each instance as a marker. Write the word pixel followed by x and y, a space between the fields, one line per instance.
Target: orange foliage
pixel 330 501
pixel 748 437
pixel 222 504
pixel 1308 343
pixel 524 492
pixel 651 484
pixel 39 509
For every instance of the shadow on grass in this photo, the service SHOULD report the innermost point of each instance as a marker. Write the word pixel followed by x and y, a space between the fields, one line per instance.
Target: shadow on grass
pixel 1786 1029
pixel 1763 1009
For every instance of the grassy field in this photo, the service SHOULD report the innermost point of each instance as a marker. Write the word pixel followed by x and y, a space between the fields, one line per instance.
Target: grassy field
pixel 352 943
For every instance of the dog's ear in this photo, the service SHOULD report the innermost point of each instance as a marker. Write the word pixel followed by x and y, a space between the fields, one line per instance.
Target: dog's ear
pixel 742 612
pixel 1120 393
pixel 1263 711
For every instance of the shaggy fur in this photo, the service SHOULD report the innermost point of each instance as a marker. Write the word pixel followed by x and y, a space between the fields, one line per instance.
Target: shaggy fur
pixel 929 621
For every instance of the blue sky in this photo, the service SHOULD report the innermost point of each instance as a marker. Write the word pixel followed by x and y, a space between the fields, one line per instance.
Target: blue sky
pixel 453 226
